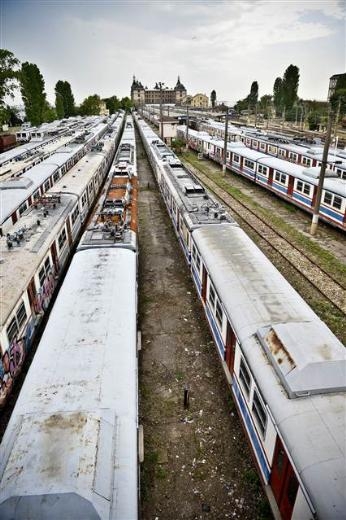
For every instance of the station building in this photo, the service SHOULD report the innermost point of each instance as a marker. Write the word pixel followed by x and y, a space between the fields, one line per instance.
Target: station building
pixel 142 95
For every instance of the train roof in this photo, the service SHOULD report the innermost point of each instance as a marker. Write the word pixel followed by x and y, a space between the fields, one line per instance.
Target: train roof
pixel 299 364
pixel 72 436
pixel 20 262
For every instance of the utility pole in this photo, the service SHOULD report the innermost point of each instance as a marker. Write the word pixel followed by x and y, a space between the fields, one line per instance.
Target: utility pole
pixel 187 127
pixel 161 115
pixel 316 211
pixel 255 115
pixel 225 145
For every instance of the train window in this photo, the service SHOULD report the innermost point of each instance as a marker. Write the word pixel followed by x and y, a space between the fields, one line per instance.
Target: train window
pixel 255 144
pixel 263 170
pixel 282 153
pixel 84 198
pixel 212 295
pixel 36 195
pixel 272 149
pixel 236 158
pixel 46 185
pixel 44 271
pixel 303 187
pixel 293 156
pixel 21 315
pixel 90 187
pixel 62 239
pixel 259 412
pixel 74 215
pixel 306 161
pixel 332 200
pixel 12 330
pixel 245 377
pixel 262 146
pixel 218 313
pixel 22 208
pixel 56 176
pixel 249 164
pixel 280 177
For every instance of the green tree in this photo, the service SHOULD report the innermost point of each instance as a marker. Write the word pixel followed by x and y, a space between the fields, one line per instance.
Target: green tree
pixel 213 98
pixel 90 106
pixel 33 94
pixel 314 119
pixel 338 99
pixel 8 74
pixel 253 96
pixel 290 83
pixel 277 95
pixel 49 113
pixel 64 100
pixel 126 103
pixel 112 104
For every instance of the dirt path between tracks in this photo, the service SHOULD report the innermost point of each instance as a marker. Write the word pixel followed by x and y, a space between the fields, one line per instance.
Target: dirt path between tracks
pixel 197 461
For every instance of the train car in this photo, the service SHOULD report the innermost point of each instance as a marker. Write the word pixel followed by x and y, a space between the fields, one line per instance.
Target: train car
pixel 294 183
pixel 285 368
pixel 71 447
pixel 35 253
pixel 18 194
pixel 7 141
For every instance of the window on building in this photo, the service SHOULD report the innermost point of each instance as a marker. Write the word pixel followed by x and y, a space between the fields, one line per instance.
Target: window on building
pixel 259 412
pixel 245 377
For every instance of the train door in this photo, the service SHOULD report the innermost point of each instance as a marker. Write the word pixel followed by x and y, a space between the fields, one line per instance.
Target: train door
pixel 230 348
pixel 204 283
pixel 283 481
pixel 32 294
pixel 54 257
pixel 290 185
pixel 69 234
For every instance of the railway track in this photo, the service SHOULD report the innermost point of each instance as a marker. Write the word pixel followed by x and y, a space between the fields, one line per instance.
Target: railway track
pixel 321 280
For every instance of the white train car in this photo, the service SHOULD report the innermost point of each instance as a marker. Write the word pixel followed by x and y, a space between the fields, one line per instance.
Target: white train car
pixel 294 183
pixel 74 430
pixel 285 367
pixel 18 194
pixel 70 449
pixel 35 253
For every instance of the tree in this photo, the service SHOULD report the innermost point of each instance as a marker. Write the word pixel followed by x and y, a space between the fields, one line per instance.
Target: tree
pixel 8 74
pixel 33 94
pixel 290 83
pixel 253 96
pixel 338 99
pixel 49 113
pixel 277 95
pixel 126 103
pixel 64 100
pixel 213 98
pixel 113 104
pixel 90 106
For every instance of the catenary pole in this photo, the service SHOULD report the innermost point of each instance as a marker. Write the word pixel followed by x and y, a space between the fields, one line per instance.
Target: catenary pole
pixel 316 211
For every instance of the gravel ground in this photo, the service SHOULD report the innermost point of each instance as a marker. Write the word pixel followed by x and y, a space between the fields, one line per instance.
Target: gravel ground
pixel 197 461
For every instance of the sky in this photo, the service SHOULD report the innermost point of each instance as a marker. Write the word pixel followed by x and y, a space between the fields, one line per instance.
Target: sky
pixel 98 45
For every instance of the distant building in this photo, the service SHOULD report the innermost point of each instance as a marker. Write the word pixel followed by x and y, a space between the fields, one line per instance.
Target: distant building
pixel 333 80
pixel 103 109
pixel 142 95
pixel 200 101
